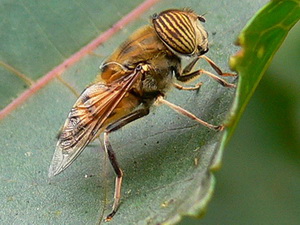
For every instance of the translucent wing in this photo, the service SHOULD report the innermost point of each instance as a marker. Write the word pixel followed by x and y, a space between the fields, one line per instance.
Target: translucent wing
pixel 86 118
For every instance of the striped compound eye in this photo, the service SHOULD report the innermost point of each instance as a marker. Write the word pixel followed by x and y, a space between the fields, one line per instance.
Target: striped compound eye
pixel 181 31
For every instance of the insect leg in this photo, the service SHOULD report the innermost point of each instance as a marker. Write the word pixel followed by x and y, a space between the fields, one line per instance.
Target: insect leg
pixel 187 77
pixel 112 157
pixel 188 114
pixel 190 66
pixel 187 70
pixel 216 68
pixel 127 119
pixel 195 87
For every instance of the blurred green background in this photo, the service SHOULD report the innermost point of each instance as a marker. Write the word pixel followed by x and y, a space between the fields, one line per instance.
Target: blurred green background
pixel 259 182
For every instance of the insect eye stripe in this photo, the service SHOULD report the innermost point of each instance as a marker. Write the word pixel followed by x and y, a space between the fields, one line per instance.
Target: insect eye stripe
pixel 164 32
pixel 181 38
pixel 186 22
pixel 173 36
pixel 186 32
pixel 159 30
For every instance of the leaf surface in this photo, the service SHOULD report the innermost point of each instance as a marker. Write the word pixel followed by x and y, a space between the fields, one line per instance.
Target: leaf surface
pixel 166 157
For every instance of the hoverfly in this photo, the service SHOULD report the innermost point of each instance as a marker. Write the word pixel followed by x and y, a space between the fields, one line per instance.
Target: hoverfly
pixel 136 75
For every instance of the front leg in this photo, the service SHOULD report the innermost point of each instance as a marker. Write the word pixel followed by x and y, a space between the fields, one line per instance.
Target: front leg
pixel 196 73
pixel 217 68
pixel 186 74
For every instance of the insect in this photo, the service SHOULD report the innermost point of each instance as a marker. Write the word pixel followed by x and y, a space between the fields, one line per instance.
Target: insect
pixel 136 75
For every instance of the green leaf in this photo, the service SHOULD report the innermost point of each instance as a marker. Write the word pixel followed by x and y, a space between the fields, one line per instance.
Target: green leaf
pixel 260 40
pixel 166 158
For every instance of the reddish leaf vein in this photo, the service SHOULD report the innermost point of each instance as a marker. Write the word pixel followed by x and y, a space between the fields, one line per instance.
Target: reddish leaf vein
pixel 76 57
